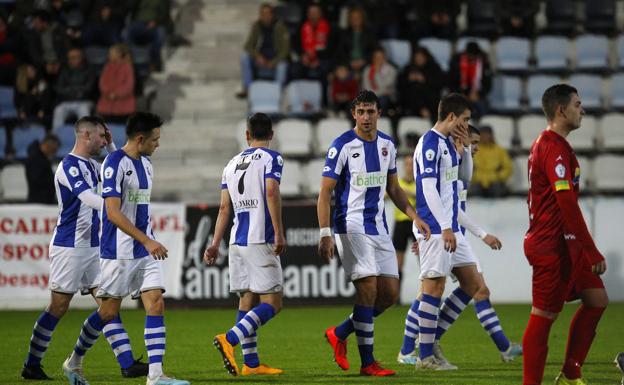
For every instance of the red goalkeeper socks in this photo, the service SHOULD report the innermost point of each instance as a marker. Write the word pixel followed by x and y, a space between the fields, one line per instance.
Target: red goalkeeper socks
pixel 580 337
pixel 535 349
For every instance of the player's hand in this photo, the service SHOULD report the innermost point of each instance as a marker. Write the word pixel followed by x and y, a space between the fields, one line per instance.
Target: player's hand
pixel 415 248
pixel 493 242
pixel 423 228
pixel 600 267
pixel 461 132
pixel 326 248
pixel 156 249
pixel 450 243
pixel 211 254
pixel 279 246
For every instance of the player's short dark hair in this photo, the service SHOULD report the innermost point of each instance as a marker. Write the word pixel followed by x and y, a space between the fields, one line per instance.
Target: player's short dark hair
pixel 365 97
pixel 142 123
pixel 453 102
pixel 260 126
pixel 473 130
pixel 556 96
pixel 89 119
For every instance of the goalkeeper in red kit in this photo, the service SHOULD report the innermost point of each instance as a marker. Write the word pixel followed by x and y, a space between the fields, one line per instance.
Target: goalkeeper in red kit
pixel 566 263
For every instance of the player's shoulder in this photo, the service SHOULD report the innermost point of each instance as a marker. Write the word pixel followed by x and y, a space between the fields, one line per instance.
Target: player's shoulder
pixel 145 158
pixel 114 158
pixel 341 141
pixel 385 137
pixel 272 153
pixel 430 139
pixel 72 164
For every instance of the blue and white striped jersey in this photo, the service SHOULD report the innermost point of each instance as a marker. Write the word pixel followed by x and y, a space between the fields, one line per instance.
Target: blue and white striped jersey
pixel 131 180
pixel 244 178
pixel 361 169
pixel 463 197
pixel 435 157
pixel 78 225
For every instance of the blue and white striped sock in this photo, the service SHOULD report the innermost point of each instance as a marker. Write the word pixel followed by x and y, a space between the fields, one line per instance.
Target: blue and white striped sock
pixel 247 326
pixel 346 327
pixel 451 309
pixel 154 335
pixel 489 320
pixel 89 333
pixel 428 322
pixel 411 329
pixel 40 338
pixel 249 346
pixel 119 341
pixel 364 330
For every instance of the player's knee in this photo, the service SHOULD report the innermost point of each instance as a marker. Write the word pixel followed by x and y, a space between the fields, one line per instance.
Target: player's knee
pixel 483 293
pixel 157 306
pixel 58 309
pixel 107 315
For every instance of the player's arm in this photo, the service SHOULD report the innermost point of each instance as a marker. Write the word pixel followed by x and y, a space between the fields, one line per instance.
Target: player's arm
pixel 560 179
pixel 466 166
pixel 212 252
pixel 399 198
pixel 114 214
pixel 467 222
pixel 274 203
pixel 323 210
pixel 74 180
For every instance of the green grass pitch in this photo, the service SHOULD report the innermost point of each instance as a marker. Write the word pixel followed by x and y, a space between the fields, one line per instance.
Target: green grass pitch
pixel 294 341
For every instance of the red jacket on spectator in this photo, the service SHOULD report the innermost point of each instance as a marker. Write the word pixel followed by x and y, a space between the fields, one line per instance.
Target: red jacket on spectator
pixel 117 79
pixel 314 38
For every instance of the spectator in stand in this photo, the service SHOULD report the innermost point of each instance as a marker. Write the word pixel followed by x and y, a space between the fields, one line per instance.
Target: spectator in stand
pixel 33 96
pixel 45 44
pixel 103 30
pixel 380 77
pixel 492 167
pixel 357 42
pixel 39 174
pixel 8 49
pixel 518 17
pixel 314 45
pixel 471 75
pixel 266 50
pixel 118 10
pixel 420 85
pixel 387 20
pixel 442 16
pixel 68 17
pixel 344 88
pixel 148 27
pixel 74 89
pixel 117 100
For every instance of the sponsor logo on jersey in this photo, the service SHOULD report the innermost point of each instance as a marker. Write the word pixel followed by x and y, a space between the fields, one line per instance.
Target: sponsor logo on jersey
pixel 73 171
pixel 562 185
pixel 138 196
pixel 463 195
pixel 569 237
pixel 577 176
pixel 369 179
pixel 430 154
pixel 108 173
pixel 451 174
pixel 245 204
pixel 560 170
pixel 331 154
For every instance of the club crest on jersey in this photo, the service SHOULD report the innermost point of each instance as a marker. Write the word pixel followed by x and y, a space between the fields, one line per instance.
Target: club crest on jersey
pixel 560 170
pixel 331 154
pixel 430 154
pixel 108 173
pixel 73 171
pixel 384 151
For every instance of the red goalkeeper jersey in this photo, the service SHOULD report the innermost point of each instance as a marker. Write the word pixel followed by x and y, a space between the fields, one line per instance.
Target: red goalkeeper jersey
pixel 555 217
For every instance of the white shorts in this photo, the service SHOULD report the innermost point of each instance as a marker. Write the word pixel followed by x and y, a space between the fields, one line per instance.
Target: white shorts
pixel 436 262
pixel 364 255
pixel 74 268
pixel 121 277
pixel 255 268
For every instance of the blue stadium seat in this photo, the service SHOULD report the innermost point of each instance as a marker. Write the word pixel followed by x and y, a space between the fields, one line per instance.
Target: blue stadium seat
pixel 440 50
pixel 264 96
pixel 536 85
pixel 592 53
pixel 590 89
pixel 7 104
pixel 141 59
pixel 512 54
pixel 617 91
pixel 399 52
pixel 506 94
pixel 24 136
pixel 620 51
pixel 552 53
pixel 96 56
pixel 67 137
pixel 483 43
pixel 119 133
pixel 304 97
pixel 3 141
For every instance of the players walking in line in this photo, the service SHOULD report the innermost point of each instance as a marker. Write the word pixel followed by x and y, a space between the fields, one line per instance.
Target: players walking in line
pixel 129 253
pixel 454 303
pixel 360 167
pixel 74 248
pixel 436 164
pixel 566 263
pixel 250 184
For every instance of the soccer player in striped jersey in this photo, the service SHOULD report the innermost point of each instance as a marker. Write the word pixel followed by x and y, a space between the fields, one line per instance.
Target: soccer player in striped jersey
pixel 454 303
pixel 250 184
pixel 74 248
pixel 361 167
pixel 129 254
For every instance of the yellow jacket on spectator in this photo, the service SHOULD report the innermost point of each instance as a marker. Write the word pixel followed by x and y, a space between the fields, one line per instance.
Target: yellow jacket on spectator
pixel 410 190
pixel 491 164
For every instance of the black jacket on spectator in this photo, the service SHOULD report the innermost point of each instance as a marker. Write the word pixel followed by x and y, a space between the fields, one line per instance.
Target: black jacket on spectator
pixel 39 176
pixel 34 46
pixel 524 10
pixel 75 84
pixel 346 43
pixel 415 95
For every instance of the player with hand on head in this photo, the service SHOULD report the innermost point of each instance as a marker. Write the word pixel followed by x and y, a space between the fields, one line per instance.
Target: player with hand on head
pixel 361 167
pixel 130 257
pixel 565 260
pixel 74 248
pixel 250 184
